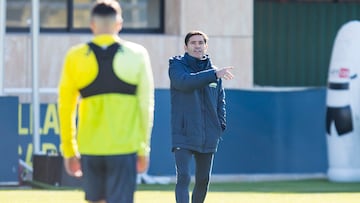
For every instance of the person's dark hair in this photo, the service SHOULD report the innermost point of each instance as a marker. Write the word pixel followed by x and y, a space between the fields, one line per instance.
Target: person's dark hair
pixel 106 8
pixel 192 33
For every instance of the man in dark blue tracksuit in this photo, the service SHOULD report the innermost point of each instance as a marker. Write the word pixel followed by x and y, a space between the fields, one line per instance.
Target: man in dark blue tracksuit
pixel 197 114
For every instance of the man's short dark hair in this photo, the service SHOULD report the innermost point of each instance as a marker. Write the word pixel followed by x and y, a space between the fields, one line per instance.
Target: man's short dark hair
pixel 106 8
pixel 192 33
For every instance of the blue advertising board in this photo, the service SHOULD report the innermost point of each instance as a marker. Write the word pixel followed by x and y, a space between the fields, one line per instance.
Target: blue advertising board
pixel 49 131
pixel 268 132
pixel 9 140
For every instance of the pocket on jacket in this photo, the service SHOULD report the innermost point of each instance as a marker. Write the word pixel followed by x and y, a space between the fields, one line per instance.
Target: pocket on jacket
pixel 183 125
pixel 178 124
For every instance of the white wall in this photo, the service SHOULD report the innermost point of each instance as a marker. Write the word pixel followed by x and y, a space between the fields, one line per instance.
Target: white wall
pixel 229 24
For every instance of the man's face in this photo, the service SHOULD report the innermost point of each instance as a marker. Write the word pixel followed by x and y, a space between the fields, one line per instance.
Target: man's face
pixel 196 46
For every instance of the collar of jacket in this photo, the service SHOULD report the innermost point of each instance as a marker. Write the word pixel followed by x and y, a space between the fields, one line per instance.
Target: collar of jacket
pixel 105 40
pixel 198 64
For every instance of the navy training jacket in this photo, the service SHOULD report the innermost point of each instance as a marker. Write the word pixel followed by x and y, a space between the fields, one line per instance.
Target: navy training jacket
pixel 198 115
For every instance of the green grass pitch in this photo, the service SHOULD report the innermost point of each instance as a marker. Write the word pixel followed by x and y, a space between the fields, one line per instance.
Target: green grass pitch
pixel 301 191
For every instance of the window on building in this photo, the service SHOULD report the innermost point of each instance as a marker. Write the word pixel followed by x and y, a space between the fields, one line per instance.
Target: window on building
pixel 73 15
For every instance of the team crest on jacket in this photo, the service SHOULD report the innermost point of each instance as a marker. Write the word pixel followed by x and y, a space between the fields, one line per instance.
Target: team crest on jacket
pixel 213 85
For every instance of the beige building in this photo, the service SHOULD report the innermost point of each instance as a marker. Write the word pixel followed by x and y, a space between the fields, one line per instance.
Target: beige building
pixel 229 24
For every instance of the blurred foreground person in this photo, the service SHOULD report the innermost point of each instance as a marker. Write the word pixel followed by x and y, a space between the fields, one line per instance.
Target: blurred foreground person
pixel 107 84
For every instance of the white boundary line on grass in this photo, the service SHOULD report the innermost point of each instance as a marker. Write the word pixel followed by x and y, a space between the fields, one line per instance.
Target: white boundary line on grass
pixel 226 178
pixel 264 177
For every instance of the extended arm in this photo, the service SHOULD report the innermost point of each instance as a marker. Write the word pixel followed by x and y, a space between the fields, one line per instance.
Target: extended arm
pixel 183 80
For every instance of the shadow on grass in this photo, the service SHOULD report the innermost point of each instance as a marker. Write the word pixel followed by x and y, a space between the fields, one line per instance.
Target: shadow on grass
pixel 299 186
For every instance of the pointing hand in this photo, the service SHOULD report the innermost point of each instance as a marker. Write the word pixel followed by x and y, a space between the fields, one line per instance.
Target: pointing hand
pixel 225 73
